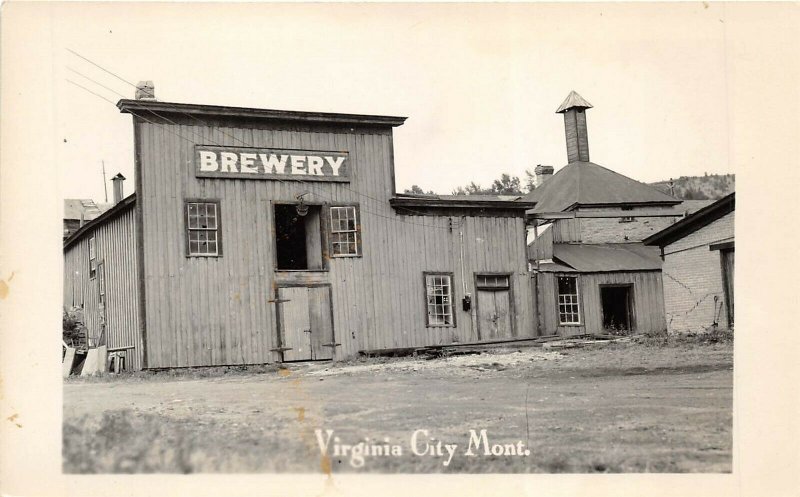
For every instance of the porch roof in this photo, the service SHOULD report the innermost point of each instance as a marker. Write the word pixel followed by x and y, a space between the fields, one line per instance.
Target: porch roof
pixel 607 257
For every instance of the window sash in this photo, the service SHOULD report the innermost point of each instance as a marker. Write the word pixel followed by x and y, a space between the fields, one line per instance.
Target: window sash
pixel 439 300
pixel 569 311
pixel 92 258
pixel 202 229
pixel 344 231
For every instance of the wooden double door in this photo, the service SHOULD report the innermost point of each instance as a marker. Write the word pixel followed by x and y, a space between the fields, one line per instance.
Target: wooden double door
pixel 305 323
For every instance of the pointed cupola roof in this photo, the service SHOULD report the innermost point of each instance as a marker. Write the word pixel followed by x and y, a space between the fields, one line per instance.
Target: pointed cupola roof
pixel 573 101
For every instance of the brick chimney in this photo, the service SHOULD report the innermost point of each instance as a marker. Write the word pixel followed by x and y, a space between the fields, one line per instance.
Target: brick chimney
pixel 574 110
pixel 117 180
pixel 145 90
pixel 541 174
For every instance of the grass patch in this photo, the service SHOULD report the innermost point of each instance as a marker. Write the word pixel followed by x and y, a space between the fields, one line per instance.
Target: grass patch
pixel 665 339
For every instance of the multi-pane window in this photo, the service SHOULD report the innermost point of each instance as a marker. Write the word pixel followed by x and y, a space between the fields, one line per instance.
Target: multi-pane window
pixel 439 298
pixel 344 232
pixel 92 258
pixel 202 229
pixel 568 303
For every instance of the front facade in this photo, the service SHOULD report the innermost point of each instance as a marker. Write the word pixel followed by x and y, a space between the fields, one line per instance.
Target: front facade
pixel 698 269
pixel 268 236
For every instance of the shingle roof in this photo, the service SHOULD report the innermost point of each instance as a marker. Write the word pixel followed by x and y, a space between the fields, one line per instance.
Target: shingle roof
pixel 607 257
pixel 586 183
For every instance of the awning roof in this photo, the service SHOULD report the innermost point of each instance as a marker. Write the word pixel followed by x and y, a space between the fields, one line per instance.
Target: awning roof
pixel 607 257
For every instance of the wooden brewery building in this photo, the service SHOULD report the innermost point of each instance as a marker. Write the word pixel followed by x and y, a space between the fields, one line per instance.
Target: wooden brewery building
pixel 591 272
pixel 258 236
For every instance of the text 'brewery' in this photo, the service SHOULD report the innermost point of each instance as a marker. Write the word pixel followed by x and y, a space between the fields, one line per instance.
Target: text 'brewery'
pixel 270 163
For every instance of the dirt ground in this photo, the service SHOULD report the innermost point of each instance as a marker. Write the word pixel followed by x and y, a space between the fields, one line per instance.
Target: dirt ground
pixel 616 408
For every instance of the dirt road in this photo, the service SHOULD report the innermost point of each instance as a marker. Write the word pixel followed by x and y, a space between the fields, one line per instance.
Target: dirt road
pixel 615 409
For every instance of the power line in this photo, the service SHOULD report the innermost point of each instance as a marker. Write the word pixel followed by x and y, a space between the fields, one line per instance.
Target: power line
pixel 381 202
pixel 307 183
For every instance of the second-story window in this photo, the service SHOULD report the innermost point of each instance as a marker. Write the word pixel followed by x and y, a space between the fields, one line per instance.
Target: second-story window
pixel 345 232
pixel 202 229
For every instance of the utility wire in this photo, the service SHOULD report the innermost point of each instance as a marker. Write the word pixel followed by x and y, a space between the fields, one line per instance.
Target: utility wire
pixel 200 121
pixel 307 183
pixel 381 202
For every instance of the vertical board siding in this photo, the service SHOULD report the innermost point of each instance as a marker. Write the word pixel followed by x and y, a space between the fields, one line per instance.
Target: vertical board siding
pixel 115 246
pixel 217 310
pixel 648 301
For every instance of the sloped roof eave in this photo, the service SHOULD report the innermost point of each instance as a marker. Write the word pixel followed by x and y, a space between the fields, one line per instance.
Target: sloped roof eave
pixel 608 257
pixel 123 205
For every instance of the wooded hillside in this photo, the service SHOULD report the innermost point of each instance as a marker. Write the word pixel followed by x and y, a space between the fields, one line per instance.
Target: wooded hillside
pixel 709 186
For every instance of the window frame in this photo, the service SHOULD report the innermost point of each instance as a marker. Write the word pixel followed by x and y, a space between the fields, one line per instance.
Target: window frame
pixel 187 229
pixel 101 282
pixel 425 275
pixel 577 302
pixel 92 257
pixel 330 233
pixel 323 235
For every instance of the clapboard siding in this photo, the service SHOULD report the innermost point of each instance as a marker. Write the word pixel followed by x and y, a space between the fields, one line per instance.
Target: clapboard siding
pixel 216 311
pixel 115 248
pixel 648 301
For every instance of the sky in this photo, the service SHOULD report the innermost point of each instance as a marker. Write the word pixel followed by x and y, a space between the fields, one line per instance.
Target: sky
pixel 479 83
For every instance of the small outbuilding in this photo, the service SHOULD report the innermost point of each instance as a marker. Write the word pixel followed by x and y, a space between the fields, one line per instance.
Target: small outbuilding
pixel 590 271
pixel 698 262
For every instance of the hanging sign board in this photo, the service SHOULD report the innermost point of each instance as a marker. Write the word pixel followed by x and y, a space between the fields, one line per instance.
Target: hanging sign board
pixel 270 164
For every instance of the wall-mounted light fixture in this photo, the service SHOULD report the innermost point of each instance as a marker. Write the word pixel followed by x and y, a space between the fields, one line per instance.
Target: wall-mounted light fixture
pixel 301 207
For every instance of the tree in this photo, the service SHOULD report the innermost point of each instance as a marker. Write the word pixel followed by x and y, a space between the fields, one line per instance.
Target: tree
pixel 472 189
pixel 530 183
pixel 415 189
pixel 505 185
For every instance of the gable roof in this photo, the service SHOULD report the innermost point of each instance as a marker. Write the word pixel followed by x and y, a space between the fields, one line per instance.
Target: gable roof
pixel 693 222
pixel 589 184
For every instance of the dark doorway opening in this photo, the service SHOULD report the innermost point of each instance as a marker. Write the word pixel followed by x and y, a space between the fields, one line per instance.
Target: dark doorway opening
pixel 297 238
pixel 617 303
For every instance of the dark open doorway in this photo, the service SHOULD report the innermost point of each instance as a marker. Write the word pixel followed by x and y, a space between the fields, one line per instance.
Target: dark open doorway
pixel 617 303
pixel 298 243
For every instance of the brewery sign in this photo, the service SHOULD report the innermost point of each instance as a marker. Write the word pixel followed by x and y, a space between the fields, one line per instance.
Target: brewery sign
pixel 270 163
